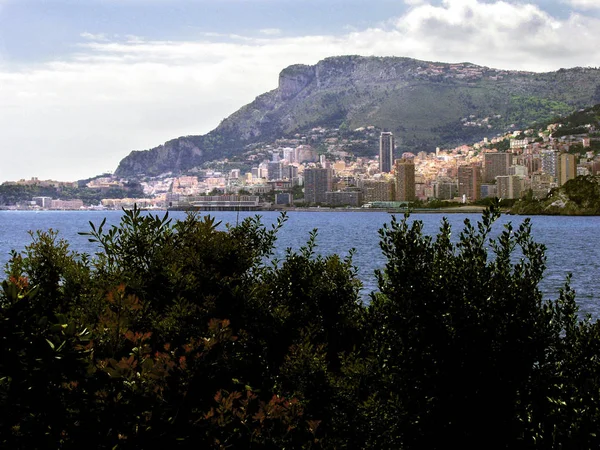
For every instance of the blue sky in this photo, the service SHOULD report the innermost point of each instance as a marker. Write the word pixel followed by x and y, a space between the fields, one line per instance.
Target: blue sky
pixel 82 83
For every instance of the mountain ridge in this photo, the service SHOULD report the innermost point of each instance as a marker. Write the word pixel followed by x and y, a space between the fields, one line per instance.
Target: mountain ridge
pixel 426 104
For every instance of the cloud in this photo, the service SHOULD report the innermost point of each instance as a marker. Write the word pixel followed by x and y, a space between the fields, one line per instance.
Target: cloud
pixel 79 116
pixel 584 4
pixel 499 34
pixel 93 37
pixel 270 31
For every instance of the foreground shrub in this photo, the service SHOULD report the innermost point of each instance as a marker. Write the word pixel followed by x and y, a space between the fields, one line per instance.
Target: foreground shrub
pixel 188 335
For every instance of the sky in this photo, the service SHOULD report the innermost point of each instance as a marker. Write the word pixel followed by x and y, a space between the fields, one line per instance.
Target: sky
pixel 83 83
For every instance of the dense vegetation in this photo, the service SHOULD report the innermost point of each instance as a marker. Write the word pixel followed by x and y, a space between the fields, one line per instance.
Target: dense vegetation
pixel 577 197
pixel 187 335
pixel 11 194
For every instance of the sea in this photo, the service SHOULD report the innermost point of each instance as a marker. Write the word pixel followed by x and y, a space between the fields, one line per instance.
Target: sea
pixel 572 242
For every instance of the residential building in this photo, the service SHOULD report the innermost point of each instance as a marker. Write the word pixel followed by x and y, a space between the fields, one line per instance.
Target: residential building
pixel 284 198
pixel 347 197
pixel 508 186
pixel 275 170
pixel 541 183
pixel 305 153
pixel 495 164
pixel 488 190
pixel 469 182
pixel 445 189
pixel 386 152
pixel 377 190
pixel 43 202
pixel 317 181
pixel 551 163
pixel 405 180
pixel 567 168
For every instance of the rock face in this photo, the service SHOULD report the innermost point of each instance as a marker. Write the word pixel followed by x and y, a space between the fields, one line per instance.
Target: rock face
pixel 293 79
pixel 425 104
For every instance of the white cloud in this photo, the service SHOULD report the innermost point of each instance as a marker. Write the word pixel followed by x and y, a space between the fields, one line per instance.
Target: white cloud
pixel 270 31
pixel 584 4
pixel 80 116
pixel 93 37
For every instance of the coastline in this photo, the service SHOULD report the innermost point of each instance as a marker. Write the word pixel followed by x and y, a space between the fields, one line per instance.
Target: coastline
pixel 468 209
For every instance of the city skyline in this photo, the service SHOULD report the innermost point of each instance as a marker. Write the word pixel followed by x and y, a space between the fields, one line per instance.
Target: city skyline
pixel 83 84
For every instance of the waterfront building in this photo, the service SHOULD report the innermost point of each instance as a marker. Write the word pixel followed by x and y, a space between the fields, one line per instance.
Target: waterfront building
pixel 66 204
pixel 43 202
pixel 488 190
pixel 219 203
pixel 347 197
pixel 405 180
pixel 445 189
pixel 284 198
pixel 509 186
pixel 377 190
pixel 469 182
pixel 317 181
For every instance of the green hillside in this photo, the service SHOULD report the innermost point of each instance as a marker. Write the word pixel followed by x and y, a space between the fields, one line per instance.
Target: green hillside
pixel 425 104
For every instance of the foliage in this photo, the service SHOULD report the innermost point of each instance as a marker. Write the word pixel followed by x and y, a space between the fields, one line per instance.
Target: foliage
pixel 11 194
pixel 578 196
pixel 468 352
pixel 490 201
pixel 525 110
pixel 189 334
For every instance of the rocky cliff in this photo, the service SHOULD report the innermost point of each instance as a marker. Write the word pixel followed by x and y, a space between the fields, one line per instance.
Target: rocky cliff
pixel 425 104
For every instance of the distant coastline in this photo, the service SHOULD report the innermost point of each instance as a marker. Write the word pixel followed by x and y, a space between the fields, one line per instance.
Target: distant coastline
pixel 467 209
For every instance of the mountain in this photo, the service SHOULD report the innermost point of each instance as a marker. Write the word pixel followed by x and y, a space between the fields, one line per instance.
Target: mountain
pixel 425 104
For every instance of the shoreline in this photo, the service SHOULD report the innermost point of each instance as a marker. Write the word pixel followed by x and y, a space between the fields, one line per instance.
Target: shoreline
pixel 467 209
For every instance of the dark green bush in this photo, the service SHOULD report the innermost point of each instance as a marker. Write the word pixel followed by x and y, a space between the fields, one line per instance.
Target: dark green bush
pixel 189 335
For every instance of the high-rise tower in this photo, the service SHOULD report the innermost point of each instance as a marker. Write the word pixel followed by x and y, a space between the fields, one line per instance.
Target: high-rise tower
pixel 495 164
pixel 567 168
pixel 405 180
pixel 469 182
pixel 317 182
pixel 386 152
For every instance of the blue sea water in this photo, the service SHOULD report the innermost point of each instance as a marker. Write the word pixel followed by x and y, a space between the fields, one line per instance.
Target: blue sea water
pixel 572 244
